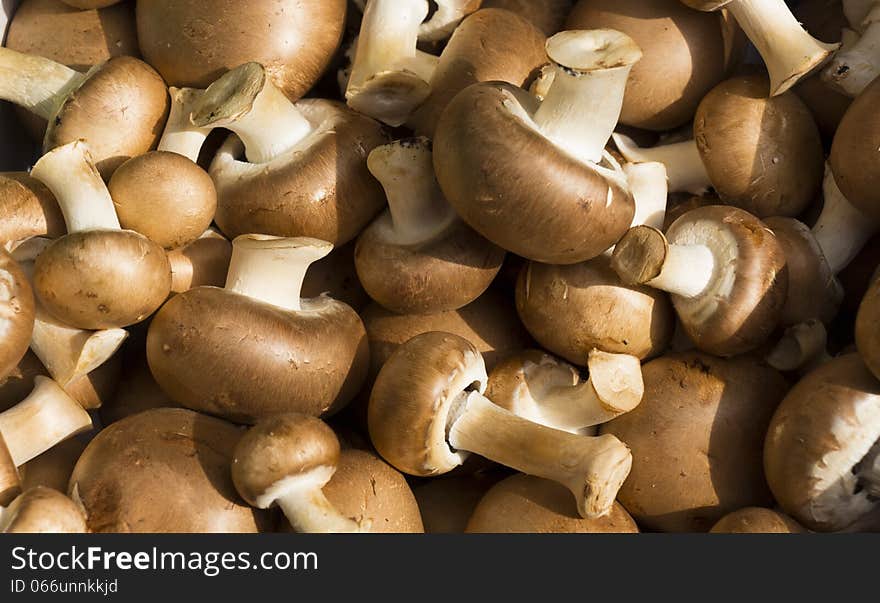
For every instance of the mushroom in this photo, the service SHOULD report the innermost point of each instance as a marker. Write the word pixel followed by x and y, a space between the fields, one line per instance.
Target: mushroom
pixel 544 390
pixel 255 348
pixel 802 347
pixel 447 503
pixel 789 52
pixel 649 185
pixel 548 16
pixel 822 452
pixel 98 276
pixel 724 268
pixel 573 309
pixel 165 197
pixel 203 262
pixel 427 411
pixel 87 4
pixel 10 480
pixel 418 257
pixel 867 337
pixel 141 392
pixel 29 210
pixel 683 56
pixel 684 167
pixel 118 107
pixel 446 18
pixel 17 311
pixel 697 439
pixel 180 135
pixel 545 189
pixel 857 64
pixel 756 520
pixel 336 276
pixel 191 45
pixel 313 179
pixel 524 503
pixel 179 484
pixel 42 511
pixel 52 469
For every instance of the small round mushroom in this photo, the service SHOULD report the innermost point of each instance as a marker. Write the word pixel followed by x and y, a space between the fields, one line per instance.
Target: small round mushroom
pixel 17 312
pixel 856 64
pixel 191 45
pixel 447 503
pixel 789 52
pixel 524 503
pixel 535 179
pixel 548 16
pixel 697 439
pixel 203 262
pixel 427 412
pixel 53 468
pixel 42 510
pixel 756 520
pixel 573 309
pixel 256 348
pixel 29 210
pixel 724 268
pixel 180 483
pixel 418 257
pixel 822 452
pixel 98 276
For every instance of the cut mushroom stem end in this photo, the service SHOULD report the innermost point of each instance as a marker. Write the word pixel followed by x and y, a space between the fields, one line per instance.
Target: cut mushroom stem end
pixel 35 83
pixel 684 167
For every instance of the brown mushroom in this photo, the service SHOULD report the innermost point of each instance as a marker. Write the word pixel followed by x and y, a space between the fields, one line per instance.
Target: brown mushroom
pixel 548 16
pixel 10 480
pixel 867 333
pixel 87 4
pixel 418 257
pixel 756 520
pixel 855 64
pixel 52 469
pixel 684 167
pixel 447 503
pixel 42 510
pixel 180 135
pixel 29 210
pixel 697 439
pixel 724 268
pixel 203 262
pixel 336 276
pixel 802 347
pixel 17 312
pixel 256 348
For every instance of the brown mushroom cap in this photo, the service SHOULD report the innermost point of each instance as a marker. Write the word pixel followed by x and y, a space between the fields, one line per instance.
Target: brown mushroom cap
pixel 102 279
pixel 683 56
pixel 548 15
pixel 17 311
pixel 86 4
pixel 43 510
pixel 573 309
pixel 165 197
pixel 697 440
pixel 192 45
pixel 227 354
pixel 762 154
pixel 163 470
pixel 10 480
pixel 320 189
pixel 524 503
pixel 53 468
pixel 867 332
pixel 821 431
pixel 29 209
pixel 204 262
pixel 336 275
pixel 854 153
pixel 520 190
pixel 447 503
pixel 756 520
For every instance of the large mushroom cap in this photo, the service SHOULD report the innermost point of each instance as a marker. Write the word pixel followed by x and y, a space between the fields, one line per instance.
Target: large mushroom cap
pixel 192 44
pixel 17 312
pixel 165 470
pixel 548 15
pixel 756 520
pixel 29 209
pixel 42 510
pixel 821 432
pixel 697 440
pixel 524 503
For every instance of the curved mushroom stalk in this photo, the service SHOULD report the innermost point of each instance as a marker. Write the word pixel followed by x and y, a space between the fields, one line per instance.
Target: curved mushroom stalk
pixel 390 77
pixel 303 502
pixel 446 18
pixel 857 64
pixel 649 185
pixel 842 230
pixel 684 166
pixel 180 135
pixel 35 83
pixel 801 348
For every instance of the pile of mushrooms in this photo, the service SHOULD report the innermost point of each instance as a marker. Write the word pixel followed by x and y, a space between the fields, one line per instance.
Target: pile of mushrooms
pixel 322 266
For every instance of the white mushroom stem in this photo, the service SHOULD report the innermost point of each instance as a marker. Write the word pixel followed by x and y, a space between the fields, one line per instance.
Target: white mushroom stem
pixel 687 271
pixel 307 509
pixel 180 135
pixel 801 348
pixel 685 170
pixel 418 210
pixel 581 108
pixel 69 172
pixel 42 420
pixel 446 18
pixel 789 52
pixel 246 101
pixel 593 468
pixel 868 471
pixel 272 269
pixel 650 189
pixel 842 230
pixel 852 68
pixel 37 84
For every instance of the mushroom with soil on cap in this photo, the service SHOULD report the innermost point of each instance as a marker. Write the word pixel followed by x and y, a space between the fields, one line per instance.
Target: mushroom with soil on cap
pixel 306 170
pixel 822 452
pixel 256 348
pixel 42 510
pixel 724 268
pixel 98 276
pixel 418 257
pixel 697 440
pixel 548 16
pixel 757 520
pixel 29 209
pixel 789 52
pixel 857 64
pixel 17 312
pixel 535 179
pixel 427 413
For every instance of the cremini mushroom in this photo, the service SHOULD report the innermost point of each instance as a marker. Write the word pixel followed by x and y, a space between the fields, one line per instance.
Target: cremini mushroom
pixel 802 347
pixel 724 268
pixel 203 262
pixel 289 354
pixel 52 469
pixel 17 312
pixel 310 177
pixel 789 52
pixel 548 16
pixel 192 46
pixel 180 484
pixel 42 510
pixel 418 257
pixel 447 503
pixel 98 276
pixel 649 184
pixel 336 276
pixel 697 439
pixel 535 179
pixel 29 210
pixel 180 135
pixel 822 452
pixel 757 520
pixel 87 4
pixel 427 412
pixel 685 171
pixel 867 335
pixel 857 64
pixel 524 503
